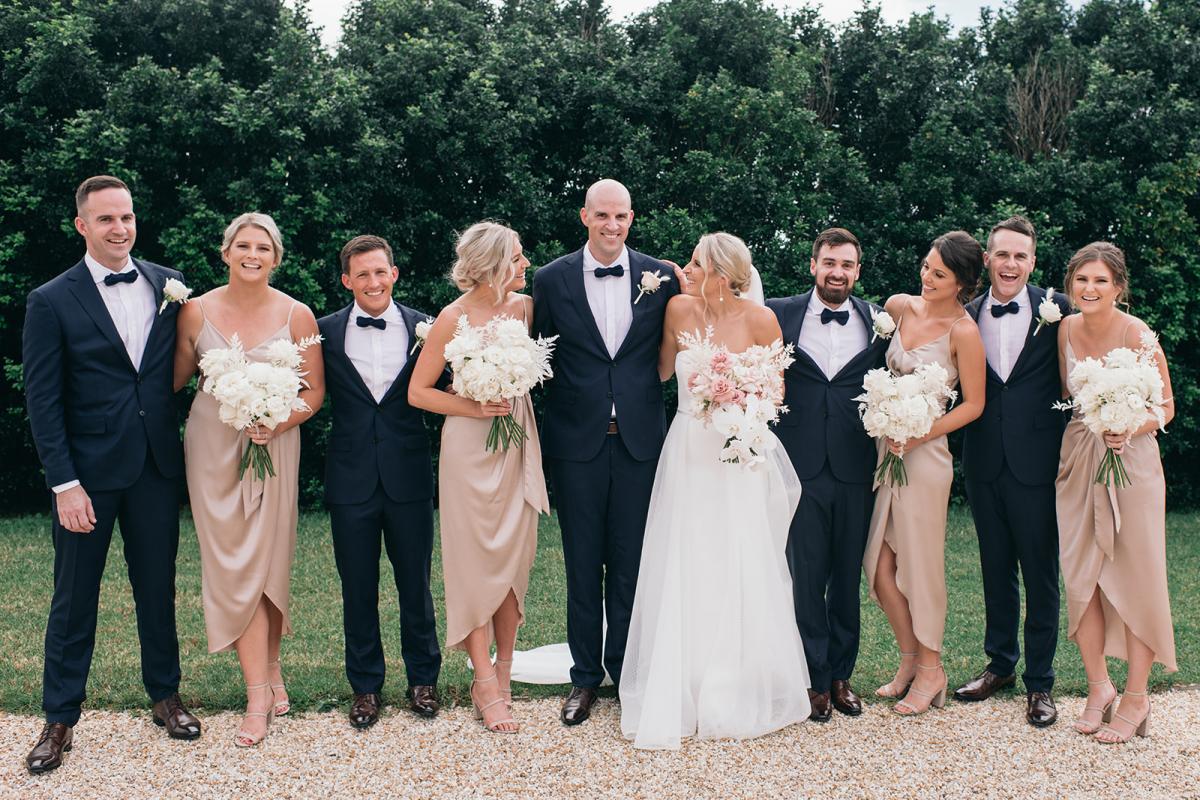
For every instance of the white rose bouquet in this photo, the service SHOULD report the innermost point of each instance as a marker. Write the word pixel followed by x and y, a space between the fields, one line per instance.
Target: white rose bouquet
pixel 1118 394
pixel 498 361
pixel 902 407
pixel 738 394
pixel 256 392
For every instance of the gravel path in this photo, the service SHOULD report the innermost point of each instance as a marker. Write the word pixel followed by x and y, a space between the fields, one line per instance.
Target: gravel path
pixel 982 750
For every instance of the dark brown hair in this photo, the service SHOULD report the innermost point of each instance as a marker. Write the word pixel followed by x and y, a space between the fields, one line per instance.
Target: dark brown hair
pixel 964 257
pixel 834 237
pixel 96 183
pixel 363 244
pixel 1017 224
pixel 1107 254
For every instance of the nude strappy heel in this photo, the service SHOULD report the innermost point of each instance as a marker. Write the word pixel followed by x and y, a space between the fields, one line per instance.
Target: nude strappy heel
pixel 1141 728
pixel 936 699
pixel 1088 728
pixel 507 666
pixel 244 739
pixel 284 706
pixel 495 726
pixel 889 689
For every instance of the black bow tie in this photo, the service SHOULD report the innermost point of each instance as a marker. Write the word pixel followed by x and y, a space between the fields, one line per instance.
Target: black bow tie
pixel 1008 308
pixel 829 315
pixel 371 322
pixel 121 277
pixel 616 271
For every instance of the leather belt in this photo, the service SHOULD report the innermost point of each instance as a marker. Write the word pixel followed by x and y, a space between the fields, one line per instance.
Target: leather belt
pixel 612 427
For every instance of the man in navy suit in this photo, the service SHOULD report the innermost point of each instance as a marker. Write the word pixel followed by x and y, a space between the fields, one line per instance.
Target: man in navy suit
pixel 1010 459
pixel 379 479
pixel 98 356
pixel 603 427
pixel 835 460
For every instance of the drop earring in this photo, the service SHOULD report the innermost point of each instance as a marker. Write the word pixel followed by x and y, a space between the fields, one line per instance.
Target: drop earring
pixel 721 299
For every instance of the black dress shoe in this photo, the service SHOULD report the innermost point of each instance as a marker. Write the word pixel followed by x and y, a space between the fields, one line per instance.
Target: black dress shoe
pixel 423 701
pixel 1040 711
pixel 844 699
pixel 364 711
pixel 982 686
pixel 171 714
pixel 578 705
pixel 47 754
pixel 821 706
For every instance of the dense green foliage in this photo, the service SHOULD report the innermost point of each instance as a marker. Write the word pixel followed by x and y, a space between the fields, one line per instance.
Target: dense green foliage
pixel 718 114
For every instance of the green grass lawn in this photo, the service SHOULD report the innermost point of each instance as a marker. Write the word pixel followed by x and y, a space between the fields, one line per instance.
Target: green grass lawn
pixel 312 658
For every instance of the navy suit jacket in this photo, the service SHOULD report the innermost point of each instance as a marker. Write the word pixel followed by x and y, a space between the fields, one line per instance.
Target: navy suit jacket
pixel 822 424
pixel 372 443
pixel 93 416
pixel 1018 424
pixel 587 381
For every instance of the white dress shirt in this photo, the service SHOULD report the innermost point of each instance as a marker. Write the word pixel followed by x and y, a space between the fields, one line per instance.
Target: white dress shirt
pixel 832 346
pixel 609 298
pixel 1004 336
pixel 131 306
pixel 378 355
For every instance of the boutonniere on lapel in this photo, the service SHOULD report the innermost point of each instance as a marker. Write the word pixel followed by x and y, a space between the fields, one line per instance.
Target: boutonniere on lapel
pixel 649 284
pixel 882 325
pixel 174 292
pixel 421 333
pixel 1048 312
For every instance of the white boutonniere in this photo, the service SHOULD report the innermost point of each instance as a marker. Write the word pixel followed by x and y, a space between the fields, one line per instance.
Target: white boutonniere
pixel 882 325
pixel 649 284
pixel 174 292
pixel 421 333
pixel 1048 312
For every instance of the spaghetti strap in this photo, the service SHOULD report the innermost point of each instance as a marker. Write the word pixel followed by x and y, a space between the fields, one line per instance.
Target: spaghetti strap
pixel 960 319
pixel 290 310
pixel 200 301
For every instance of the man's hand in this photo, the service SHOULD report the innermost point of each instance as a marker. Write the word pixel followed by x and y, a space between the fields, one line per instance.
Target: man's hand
pixel 75 512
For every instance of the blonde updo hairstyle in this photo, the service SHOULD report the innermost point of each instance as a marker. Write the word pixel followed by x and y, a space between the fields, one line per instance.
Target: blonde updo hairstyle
pixel 1107 254
pixel 257 220
pixel 484 253
pixel 727 256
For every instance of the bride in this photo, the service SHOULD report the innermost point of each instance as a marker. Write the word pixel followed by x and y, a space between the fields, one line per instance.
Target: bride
pixel 713 646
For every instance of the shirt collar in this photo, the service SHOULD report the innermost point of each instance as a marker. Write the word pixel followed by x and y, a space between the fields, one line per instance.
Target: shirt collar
pixel 817 305
pixel 100 272
pixel 590 264
pixel 1022 299
pixel 391 316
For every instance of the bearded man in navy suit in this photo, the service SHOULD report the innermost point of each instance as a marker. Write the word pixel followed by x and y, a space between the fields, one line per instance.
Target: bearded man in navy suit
pixel 98 352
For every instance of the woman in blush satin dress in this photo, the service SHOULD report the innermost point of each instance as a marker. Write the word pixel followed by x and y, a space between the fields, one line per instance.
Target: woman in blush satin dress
pixel 489 501
pixel 246 527
pixel 1112 540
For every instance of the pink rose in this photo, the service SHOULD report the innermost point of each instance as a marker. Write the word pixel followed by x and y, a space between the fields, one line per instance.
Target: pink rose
pixel 722 390
pixel 720 362
pixel 738 396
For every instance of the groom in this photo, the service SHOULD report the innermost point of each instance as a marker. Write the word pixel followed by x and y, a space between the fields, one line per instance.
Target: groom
pixel 603 427
pixel 98 351
pixel 835 460
pixel 379 480
pixel 1010 459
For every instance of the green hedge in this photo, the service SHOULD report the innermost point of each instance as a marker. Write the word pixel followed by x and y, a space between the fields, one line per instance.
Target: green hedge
pixel 718 114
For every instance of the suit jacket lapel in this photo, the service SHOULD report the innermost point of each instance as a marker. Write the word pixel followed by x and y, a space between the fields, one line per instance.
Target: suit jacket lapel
pixel 796 312
pixel 157 281
pixel 1036 296
pixel 573 285
pixel 973 308
pixel 410 325
pixel 335 346
pixel 864 313
pixel 85 291
pixel 639 309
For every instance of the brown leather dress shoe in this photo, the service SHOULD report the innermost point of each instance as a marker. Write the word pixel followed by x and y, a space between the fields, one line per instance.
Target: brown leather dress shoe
pixel 844 699
pixel 170 713
pixel 47 754
pixel 423 700
pixel 982 686
pixel 822 707
pixel 364 711
pixel 578 705
pixel 1040 711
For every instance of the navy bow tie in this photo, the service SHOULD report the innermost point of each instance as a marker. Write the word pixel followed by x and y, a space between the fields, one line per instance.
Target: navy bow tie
pixel 121 277
pixel 616 271
pixel 1008 308
pixel 829 315
pixel 371 322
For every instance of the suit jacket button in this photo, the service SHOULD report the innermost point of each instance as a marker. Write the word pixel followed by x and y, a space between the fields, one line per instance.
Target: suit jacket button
pixel 141 413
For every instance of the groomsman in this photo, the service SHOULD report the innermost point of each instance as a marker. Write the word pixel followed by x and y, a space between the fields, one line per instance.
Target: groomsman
pixel 1010 458
pixel 379 479
pixel 98 355
pixel 603 427
pixel 835 460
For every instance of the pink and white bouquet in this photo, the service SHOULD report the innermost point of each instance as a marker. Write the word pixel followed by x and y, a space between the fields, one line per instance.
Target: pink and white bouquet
pixel 1118 394
pixel 738 394
pixel 256 392
pixel 902 407
pixel 495 362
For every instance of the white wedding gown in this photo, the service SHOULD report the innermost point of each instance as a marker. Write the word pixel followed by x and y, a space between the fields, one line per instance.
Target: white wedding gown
pixel 713 646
